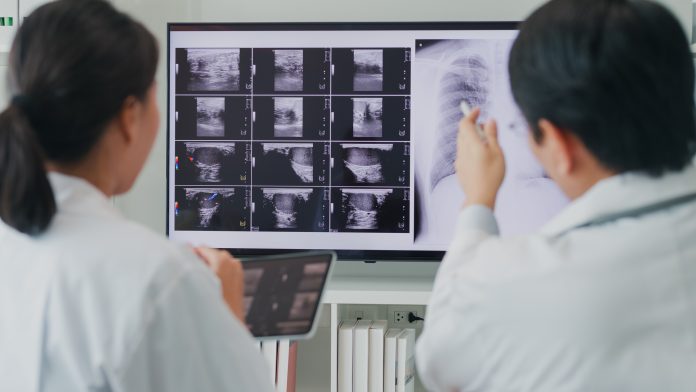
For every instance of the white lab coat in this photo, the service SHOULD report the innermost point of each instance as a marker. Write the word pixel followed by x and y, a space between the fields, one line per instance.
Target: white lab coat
pixel 603 298
pixel 102 304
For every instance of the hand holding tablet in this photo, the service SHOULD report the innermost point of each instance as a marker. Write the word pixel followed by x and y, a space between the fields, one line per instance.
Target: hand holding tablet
pixel 282 293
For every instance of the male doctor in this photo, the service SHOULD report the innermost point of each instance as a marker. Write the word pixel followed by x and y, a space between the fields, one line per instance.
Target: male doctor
pixel 603 298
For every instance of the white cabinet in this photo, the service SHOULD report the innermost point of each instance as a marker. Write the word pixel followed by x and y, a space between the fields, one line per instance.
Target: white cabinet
pixel 371 289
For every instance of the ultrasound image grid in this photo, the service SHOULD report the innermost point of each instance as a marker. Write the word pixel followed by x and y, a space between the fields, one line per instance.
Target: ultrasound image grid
pixel 206 66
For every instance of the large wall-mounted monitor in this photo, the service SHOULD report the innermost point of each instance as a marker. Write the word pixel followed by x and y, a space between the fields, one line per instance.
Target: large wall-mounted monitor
pixel 338 136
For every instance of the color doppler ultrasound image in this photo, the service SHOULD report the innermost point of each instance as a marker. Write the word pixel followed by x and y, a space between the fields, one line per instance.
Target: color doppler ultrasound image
pixel 211 209
pixel 212 163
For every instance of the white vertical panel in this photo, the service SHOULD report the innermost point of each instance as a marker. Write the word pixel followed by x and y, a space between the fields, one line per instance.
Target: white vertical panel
pixel 8 8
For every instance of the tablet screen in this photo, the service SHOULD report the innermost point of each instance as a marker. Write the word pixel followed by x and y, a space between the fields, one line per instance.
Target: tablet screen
pixel 282 293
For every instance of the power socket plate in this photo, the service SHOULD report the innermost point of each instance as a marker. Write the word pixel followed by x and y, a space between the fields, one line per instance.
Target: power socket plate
pixel 398 315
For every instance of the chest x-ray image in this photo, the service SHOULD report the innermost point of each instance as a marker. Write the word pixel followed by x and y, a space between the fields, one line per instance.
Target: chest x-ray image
pixel 289 70
pixel 212 162
pixel 290 209
pixel 475 70
pixel 219 208
pixel 213 69
pixel 368 72
pixel 370 210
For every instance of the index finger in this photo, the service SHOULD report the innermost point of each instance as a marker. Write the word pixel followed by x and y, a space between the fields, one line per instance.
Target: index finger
pixel 467 128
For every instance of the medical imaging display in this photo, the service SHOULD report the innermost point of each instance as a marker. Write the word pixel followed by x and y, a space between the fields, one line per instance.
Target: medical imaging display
pixel 371 118
pixel 292 71
pixel 370 210
pixel 291 118
pixel 216 162
pixel 371 70
pixel 370 164
pixel 293 136
pixel 213 117
pixel 212 208
pixel 290 163
pixel 212 70
pixel 281 297
pixel 290 209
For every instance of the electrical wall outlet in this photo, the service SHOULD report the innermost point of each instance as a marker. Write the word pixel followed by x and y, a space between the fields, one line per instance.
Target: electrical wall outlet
pixel 361 312
pixel 398 315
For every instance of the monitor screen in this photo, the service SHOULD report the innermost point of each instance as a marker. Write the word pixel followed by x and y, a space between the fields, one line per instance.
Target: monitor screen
pixel 338 136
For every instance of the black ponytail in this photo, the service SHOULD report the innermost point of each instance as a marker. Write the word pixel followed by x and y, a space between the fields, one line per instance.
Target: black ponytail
pixel 26 197
pixel 72 65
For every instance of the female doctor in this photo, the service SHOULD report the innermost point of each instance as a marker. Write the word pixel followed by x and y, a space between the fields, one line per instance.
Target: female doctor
pixel 89 300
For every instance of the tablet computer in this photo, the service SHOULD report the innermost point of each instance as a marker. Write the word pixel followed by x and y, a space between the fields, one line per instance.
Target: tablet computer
pixel 282 293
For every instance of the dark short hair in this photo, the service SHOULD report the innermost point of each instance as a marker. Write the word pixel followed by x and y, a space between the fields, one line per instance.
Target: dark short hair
pixel 72 65
pixel 616 73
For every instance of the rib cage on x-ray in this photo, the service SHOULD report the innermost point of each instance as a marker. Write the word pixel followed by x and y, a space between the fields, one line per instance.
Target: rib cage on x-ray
pixel 466 76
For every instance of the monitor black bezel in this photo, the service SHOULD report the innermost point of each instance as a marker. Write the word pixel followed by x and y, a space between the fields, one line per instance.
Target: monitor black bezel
pixel 358 255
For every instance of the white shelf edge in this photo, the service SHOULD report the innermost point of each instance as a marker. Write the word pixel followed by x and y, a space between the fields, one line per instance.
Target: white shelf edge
pixel 376 297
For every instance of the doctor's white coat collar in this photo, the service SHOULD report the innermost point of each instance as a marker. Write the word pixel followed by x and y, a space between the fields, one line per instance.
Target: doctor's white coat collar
pixel 622 193
pixel 77 195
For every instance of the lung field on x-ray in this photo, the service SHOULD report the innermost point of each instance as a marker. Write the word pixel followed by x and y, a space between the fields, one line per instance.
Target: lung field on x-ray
pixel 213 69
pixel 466 78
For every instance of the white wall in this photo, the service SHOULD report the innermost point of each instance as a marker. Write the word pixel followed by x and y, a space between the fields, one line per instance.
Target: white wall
pixel 146 202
